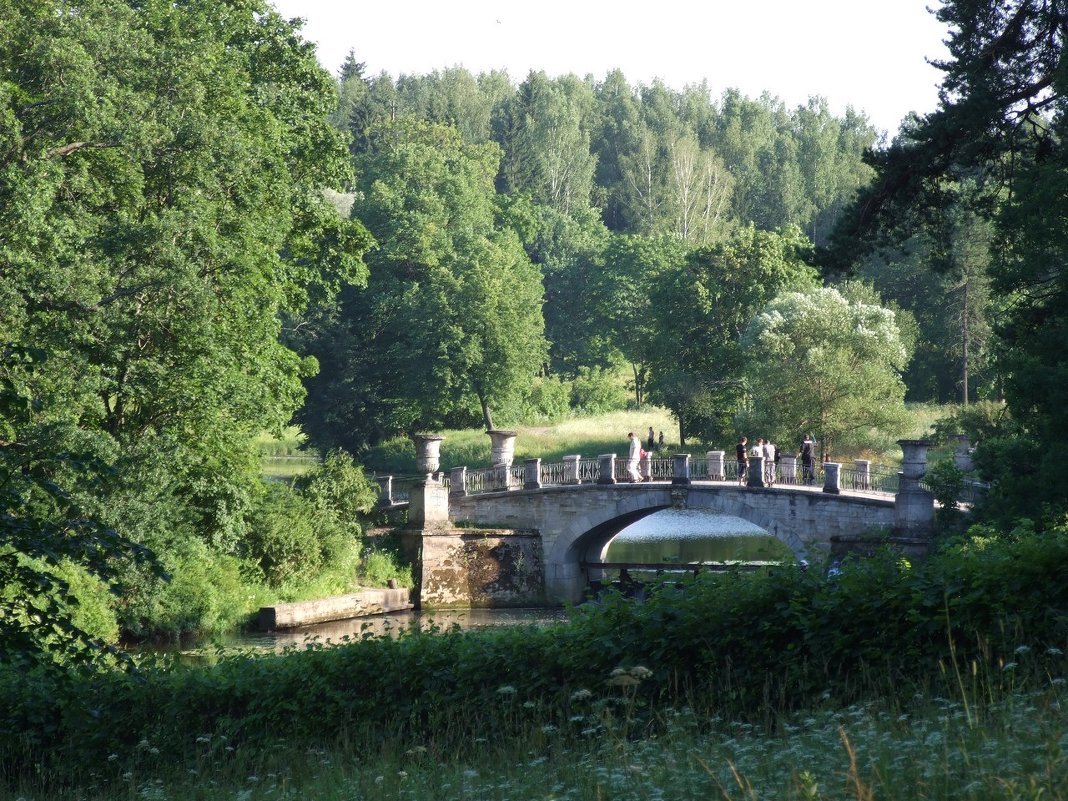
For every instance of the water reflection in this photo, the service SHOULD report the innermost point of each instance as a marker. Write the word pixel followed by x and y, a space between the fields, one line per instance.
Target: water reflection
pixel 694 535
pixel 386 625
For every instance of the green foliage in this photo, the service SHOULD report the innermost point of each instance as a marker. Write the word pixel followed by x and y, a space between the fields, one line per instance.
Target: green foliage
pixel 161 214
pixel 946 482
pixel 545 401
pixel 597 390
pixel 977 421
pixel 282 540
pixel 207 593
pixel 701 310
pixel 382 561
pixel 817 362
pixel 450 324
pixel 749 646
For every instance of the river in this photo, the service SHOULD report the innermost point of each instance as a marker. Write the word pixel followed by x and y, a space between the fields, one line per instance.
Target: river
pixel 670 536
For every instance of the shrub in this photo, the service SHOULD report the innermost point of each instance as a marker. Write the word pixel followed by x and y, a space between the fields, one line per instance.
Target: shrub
pixel 597 391
pixel 282 541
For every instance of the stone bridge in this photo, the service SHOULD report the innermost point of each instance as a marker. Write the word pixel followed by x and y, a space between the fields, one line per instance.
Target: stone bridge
pixel 521 542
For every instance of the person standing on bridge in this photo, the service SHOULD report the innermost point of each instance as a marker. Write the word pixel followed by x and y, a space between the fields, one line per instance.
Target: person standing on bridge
pixel 743 459
pixel 808 448
pixel 634 456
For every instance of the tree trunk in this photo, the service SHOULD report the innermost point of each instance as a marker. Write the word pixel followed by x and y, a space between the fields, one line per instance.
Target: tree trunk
pixel 487 416
pixel 964 347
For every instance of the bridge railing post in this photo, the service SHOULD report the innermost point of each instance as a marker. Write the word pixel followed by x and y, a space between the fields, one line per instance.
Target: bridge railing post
pixel 680 468
pixel 607 472
pixel 754 477
pixel 715 465
pixel 458 481
pixel 531 474
pixel 571 469
pixel 832 477
pixel 385 490
pixel 788 465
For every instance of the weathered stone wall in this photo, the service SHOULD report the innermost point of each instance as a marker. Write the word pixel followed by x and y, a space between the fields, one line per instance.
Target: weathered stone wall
pixel 480 568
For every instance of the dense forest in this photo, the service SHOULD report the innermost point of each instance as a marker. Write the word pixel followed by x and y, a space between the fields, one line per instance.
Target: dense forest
pixel 204 236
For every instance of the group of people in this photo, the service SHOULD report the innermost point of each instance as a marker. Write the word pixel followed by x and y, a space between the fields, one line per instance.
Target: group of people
pixel 764 448
pixel 769 451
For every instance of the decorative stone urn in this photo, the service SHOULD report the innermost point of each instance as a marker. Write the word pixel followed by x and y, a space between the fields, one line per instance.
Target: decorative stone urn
pixel 502 447
pixel 427 452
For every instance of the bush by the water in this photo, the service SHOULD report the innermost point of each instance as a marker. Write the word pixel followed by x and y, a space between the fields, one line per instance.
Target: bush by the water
pixel 745 646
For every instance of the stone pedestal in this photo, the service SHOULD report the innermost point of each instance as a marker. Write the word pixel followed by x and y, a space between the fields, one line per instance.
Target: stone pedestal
pixel 832 482
pixel 755 475
pixel 680 472
pixel 385 490
pixel 458 481
pixel 962 456
pixel 788 466
pixel 606 463
pixel 532 474
pixel 716 470
pixel 427 452
pixel 913 505
pixel 428 506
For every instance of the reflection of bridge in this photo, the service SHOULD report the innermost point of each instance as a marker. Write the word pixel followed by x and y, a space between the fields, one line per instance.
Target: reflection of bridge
pixel 567 514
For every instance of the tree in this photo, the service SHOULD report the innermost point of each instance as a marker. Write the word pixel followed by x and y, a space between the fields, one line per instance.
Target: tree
pixel 622 298
pixel 1001 122
pixel 702 309
pixel 450 323
pixel 818 362
pixel 162 169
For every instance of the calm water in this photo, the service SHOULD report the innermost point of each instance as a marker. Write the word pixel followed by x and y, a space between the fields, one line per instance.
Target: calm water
pixel 665 537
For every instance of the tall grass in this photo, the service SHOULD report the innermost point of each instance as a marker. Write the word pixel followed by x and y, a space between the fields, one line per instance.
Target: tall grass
pixel 929 749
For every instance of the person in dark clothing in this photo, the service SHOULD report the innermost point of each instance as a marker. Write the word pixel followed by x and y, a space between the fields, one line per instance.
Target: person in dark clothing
pixel 652 440
pixel 743 459
pixel 808 448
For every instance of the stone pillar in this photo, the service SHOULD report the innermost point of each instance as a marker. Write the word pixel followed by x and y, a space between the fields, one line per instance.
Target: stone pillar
pixel 607 472
pixel 571 469
pixel 788 465
pixel 715 465
pixel 680 468
pixel 832 478
pixel 502 447
pixel 862 471
pixel 385 490
pixel 428 506
pixel 532 474
pixel 427 452
pixel 962 456
pixel 913 506
pixel 458 481
pixel 755 476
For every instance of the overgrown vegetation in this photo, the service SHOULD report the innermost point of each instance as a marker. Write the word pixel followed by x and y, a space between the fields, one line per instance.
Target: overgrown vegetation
pixel 975 622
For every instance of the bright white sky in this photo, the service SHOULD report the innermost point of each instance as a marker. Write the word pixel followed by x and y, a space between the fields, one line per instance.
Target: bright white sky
pixel 868 54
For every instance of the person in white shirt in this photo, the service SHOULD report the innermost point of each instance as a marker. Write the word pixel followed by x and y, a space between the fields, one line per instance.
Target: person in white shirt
pixel 633 457
pixel 769 462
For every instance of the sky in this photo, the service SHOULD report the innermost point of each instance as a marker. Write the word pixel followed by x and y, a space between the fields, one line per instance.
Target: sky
pixel 871 55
